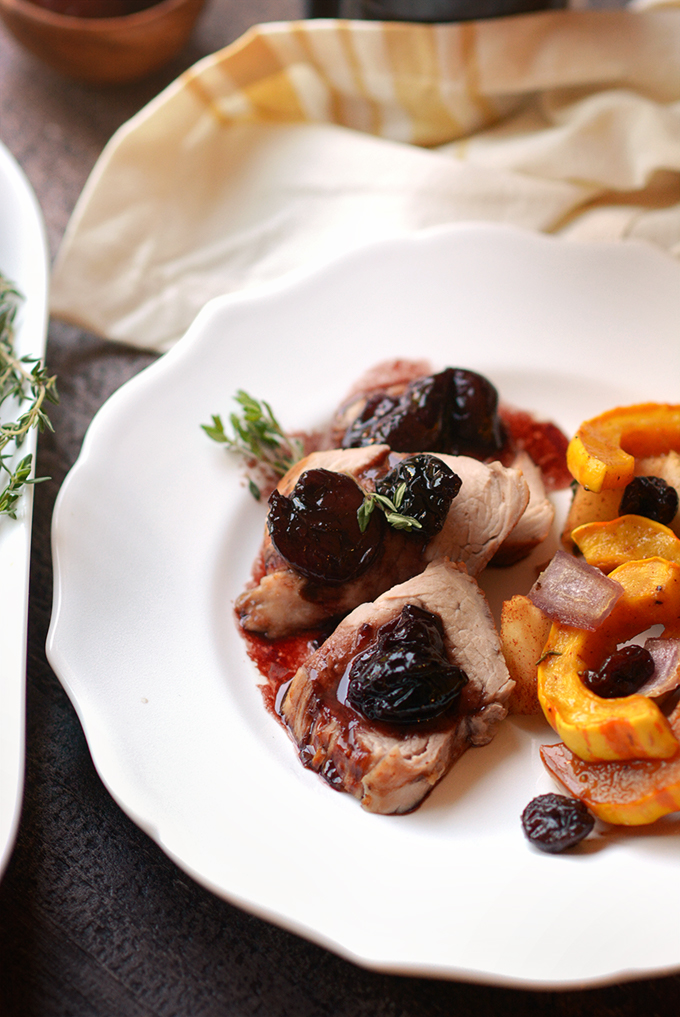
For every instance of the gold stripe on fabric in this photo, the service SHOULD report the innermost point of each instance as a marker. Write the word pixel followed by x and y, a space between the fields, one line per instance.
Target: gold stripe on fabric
pixel 417 75
pixel 371 107
pixel 468 41
pixel 255 68
pixel 196 86
pixel 299 32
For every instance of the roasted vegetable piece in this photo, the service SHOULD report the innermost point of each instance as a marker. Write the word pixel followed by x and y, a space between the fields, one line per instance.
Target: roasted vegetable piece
pixel 626 538
pixel 627 794
pixel 598 729
pixel 524 630
pixel 574 593
pixel 591 507
pixel 602 454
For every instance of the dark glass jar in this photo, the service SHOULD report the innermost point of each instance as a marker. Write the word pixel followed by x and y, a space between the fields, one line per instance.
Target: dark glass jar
pixel 426 10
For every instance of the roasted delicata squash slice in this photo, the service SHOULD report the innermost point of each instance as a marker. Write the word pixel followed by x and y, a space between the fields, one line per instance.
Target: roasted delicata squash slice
pixel 626 794
pixel 602 454
pixel 630 727
pixel 627 538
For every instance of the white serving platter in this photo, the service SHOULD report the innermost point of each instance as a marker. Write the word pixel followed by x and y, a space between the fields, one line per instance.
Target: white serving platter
pixel 23 260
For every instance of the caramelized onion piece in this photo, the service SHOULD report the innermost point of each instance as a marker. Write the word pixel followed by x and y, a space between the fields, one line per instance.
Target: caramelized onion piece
pixel 666 677
pixel 575 593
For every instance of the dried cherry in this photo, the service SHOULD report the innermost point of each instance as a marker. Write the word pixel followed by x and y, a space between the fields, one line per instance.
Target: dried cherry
pixel 622 674
pixel 652 497
pixel 554 823
pixel 431 486
pixel 454 411
pixel 404 676
pixel 411 422
pixel 316 529
pixel 472 425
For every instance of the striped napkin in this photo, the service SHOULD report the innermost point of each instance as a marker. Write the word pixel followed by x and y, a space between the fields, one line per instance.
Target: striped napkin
pixel 305 139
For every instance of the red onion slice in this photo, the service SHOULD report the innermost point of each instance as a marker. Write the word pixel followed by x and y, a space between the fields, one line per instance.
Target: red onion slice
pixel 666 656
pixel 575 593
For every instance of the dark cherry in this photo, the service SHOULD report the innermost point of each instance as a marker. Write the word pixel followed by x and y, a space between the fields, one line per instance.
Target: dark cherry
pixel 472 426
pixel 404 675
pixel 554 823
pixel 316 529
pixel 622 673
pixel 651 497
pixel 411 422
pixel 431 486
pixel 454 411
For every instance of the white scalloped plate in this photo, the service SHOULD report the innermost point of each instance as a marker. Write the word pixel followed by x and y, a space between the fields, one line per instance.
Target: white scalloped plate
pixel 24 260
pixel 154 535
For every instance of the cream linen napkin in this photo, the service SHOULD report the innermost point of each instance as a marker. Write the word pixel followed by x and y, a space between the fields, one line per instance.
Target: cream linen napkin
pixel 305 139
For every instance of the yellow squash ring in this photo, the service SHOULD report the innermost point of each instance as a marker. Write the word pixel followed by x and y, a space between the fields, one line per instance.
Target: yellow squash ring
pixel 631 727
pixel 602 454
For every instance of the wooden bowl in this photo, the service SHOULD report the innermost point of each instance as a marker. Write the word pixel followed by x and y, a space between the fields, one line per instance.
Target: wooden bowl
pixel 103 51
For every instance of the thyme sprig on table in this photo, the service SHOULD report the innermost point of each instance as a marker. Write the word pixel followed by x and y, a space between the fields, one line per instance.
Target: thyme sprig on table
pixel 391 509
pixel 258 438
pixel 27 381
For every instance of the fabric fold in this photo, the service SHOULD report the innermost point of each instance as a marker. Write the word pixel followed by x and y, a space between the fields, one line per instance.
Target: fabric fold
pixel 306 139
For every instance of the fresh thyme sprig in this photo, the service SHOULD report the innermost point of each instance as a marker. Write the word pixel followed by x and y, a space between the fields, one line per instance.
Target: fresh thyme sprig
pixel 24 379
pixel 258 438
pixel 390 508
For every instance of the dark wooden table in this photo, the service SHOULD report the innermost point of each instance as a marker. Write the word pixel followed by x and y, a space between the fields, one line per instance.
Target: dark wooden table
pixel 95 921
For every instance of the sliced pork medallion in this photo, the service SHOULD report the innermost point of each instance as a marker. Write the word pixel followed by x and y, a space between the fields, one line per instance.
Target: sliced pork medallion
pixel 309 581
pixel 490 505
pixel 536 521
pixel 400 690
pixel 294 594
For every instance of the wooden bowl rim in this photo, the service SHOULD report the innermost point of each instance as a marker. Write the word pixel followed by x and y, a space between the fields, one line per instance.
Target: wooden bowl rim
pixel 33 12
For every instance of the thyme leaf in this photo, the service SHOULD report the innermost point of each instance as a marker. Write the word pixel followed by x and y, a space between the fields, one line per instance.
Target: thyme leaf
pixel 257 437
pixel 390 508
pixel 26 381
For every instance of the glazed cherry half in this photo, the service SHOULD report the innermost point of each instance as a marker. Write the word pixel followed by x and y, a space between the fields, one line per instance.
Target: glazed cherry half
pixel 316 529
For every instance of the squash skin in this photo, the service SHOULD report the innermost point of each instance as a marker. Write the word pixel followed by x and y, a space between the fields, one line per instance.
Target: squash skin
pixel 606 545
pixel 630 727
pixel 602 454
pixel 635 793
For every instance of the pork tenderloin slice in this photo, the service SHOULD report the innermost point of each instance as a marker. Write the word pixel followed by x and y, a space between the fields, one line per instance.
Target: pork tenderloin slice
pixel 490 503
pixel 359 463
pixel 391 769
pixel 284 602
pixel 535 522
